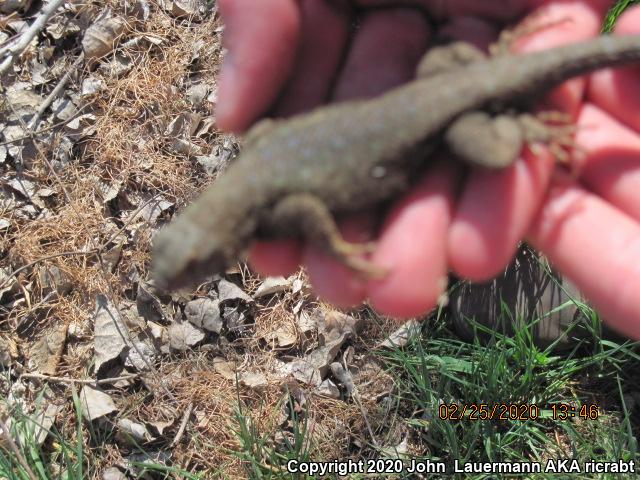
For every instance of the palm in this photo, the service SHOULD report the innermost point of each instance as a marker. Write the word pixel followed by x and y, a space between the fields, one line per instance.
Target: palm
pixel 591 237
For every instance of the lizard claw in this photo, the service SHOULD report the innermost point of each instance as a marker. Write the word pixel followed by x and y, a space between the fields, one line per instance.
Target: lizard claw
pixel 350 255
pixel 365 268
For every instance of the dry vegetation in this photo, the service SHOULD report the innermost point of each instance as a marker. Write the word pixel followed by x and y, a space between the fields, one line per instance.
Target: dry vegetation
pixel 128 141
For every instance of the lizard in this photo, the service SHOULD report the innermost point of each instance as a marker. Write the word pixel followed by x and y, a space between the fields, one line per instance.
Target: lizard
pixel 294 175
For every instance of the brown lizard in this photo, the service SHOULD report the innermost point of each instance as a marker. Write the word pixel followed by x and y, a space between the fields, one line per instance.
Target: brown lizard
pixel 295 174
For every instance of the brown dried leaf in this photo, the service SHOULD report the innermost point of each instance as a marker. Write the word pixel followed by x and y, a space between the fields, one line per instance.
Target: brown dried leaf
pixel 113 473
pixel 45 354
pixel 225 368
pixel 142 357
pixel 8 6
pixel 101 37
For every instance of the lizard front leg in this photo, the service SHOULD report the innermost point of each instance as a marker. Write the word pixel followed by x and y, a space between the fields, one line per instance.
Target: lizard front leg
pixel 448 57
pixel 306 215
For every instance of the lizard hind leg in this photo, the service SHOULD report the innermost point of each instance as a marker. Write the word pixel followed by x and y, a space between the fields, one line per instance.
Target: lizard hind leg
pixel 306 215
pixel 485 141
pixel 553 129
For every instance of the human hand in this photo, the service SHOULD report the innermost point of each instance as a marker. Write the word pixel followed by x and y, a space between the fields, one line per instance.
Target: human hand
pixel 423 235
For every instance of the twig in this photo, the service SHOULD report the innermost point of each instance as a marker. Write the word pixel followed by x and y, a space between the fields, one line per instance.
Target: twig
pixel 12 51
pixel 81 381
pixel 8 441
pixel 183 426
pixel 55 92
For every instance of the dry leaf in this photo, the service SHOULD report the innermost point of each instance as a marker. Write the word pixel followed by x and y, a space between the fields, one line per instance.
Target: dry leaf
pixel 328 389
pixel 91 86
pixel 8 351
pixel 334 325
pixel 100 38
pixel 159 335
pixel 286 338
pixel 111 336
pixel 229 292
pixel 312 368
pixel 183 335
pixel 224 368
pixel 51 278
pixel 403 335
pixel 113 473
pixel 272 285
pixel 142 357
pixel 80 127
pixel 158 427
pixel 306 323
pixel 45 354
pixel 8 6
pixel 254 380
pixel 128 429
pixel 44 416
pixel 24 187
pixel 95 404
pixel 204 313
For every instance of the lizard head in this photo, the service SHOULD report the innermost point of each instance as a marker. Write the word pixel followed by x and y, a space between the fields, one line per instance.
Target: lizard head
pixel 182 257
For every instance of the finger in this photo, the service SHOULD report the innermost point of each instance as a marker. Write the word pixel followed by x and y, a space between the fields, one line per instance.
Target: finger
pixel 332 280
pixel 597 247
pixel 279 257
pixel 609 154
pixel 496 209
pixel 374 63
pixel 413 245
pixel 323 40
pixel 473 30
pixel 261 38
pixel 493 214
pixel 561 23
pixel 497 11
pixel 616 90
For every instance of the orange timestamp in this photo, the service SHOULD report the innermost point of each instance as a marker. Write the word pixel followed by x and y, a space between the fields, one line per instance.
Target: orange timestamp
pixel 564 411
pixel 485 411
pixel 516 411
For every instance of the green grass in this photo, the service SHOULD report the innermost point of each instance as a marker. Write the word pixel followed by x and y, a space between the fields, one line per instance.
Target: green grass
pixel 262 458
pixel 615 11
pixel 26 460
pixel 438 370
